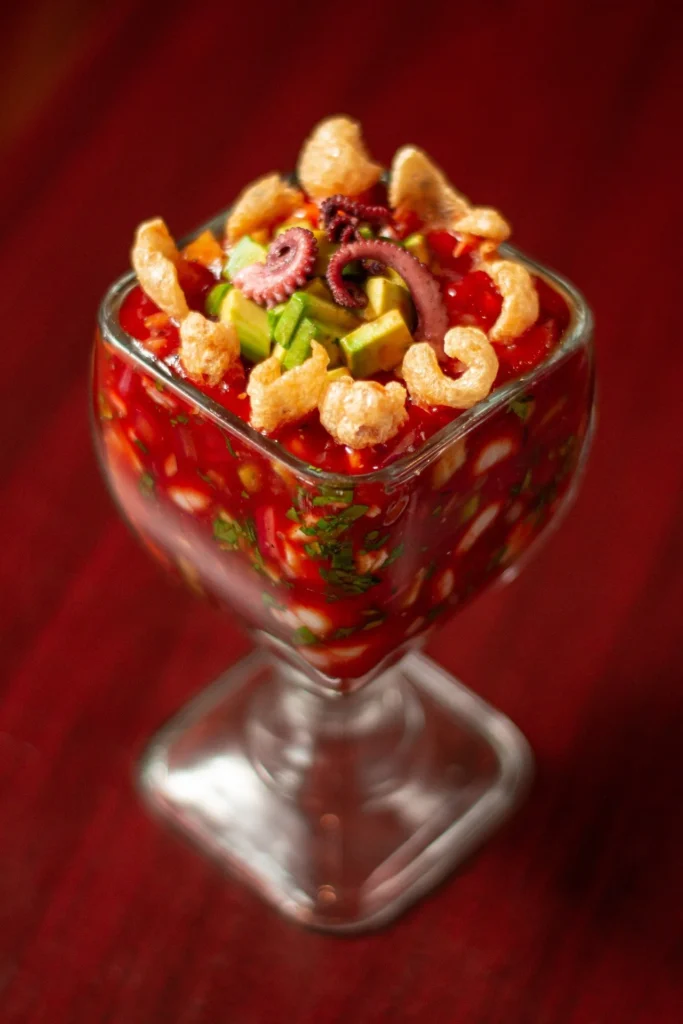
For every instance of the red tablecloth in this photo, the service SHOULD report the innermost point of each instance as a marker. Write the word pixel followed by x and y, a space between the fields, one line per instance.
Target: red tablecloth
pixel 565 117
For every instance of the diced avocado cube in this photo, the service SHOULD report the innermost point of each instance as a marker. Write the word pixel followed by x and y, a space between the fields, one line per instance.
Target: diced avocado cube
pixel 335 320
pixel 339 371
pixel 251 324
pixel 417 245
pixel 246 252
pixel 299 348
pixel 273 316
pixel 289 320
pixel 384 295
pixel 214 300
pixel 326 249
pixel 378 345
pixel 318 288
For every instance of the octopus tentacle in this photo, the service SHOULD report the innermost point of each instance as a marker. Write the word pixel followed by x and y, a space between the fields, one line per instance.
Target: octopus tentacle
pixel 340 216
pixel 289 263
pixel 431 311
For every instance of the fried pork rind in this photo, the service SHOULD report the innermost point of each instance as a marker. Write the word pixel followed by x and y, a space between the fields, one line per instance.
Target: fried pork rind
pixel 207 348
pixel 267 199
pixel 429 386
pixel 154 257
pixel 334 160
pixel 520 299
pixel 278 398
pixel 361 413
pixel 483 222
pixel 417 184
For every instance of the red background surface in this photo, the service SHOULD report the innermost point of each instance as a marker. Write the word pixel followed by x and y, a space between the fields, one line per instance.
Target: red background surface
pixel 563 115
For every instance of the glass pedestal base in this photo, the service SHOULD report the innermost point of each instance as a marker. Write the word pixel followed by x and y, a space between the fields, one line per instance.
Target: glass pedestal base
pixel 340 811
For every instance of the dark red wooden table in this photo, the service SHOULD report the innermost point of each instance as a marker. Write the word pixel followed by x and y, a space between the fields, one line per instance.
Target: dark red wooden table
pixel 564 116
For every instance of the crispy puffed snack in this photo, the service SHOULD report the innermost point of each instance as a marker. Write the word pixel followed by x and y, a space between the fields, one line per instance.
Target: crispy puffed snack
pixel 360 413
pixel 267 199
pixel 417 184
pixel 334 160
pixel 204 249
pixel 278 398
pixel 428 385
pixel 483 222
pixel 520 299
pixel 154 257
pixel 207 348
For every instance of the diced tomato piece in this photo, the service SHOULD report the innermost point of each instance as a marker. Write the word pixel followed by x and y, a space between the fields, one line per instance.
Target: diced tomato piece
pixel 529 350
pixel 473 300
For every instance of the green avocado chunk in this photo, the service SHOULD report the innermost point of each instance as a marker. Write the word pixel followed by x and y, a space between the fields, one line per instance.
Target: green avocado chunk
pixel 273 316
pixel 384 295
pixel 330 318
pixel 417 245
pixel 378 345
pixel 246 252
pixel 250 322
pixel 288 321
pixel 326 249
pixel 214 299
pixel 298 348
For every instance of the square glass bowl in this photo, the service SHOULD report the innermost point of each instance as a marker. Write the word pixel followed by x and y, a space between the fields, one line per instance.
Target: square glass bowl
pixel 337 771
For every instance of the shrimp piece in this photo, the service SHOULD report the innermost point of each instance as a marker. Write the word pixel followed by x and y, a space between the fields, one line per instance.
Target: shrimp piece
pixel 334 160
pixel 417 184
pixel 278 398
pixel 520 299
pixel 207 348
pixel 360 413
pixel 267 199
pixel 429 386
pixel 155 258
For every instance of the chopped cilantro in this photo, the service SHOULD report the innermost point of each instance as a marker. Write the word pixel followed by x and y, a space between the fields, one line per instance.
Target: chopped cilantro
pixel 334 497
pixel 304 636
pixel 374 624
pixel 373 541
pixel 146 483
pixel 143 447
pixel 431 569
pixel 270 601
pixel 250 531
pixel 438 510
pixel 245 494
pixel 104 407
pixel 226 531
pixel 469 508
pixel 343 632
pixel 396 553
pixel 312 550
pixel 434 612
pixel 292 514
pixel 229 446
pixel 205 477
pixel 522 406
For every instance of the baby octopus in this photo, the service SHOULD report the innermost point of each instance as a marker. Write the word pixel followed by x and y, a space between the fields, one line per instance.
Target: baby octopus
pixel 289 263
pixel 431 312
pixel 429 386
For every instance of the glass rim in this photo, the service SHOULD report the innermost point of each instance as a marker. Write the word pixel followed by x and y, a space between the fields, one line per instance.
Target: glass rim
pixel 578 333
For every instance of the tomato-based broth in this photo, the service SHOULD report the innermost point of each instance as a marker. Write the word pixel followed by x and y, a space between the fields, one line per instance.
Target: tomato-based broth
pixel 347 575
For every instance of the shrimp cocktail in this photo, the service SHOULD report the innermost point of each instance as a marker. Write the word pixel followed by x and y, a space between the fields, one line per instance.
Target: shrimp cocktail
pixel 339 412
